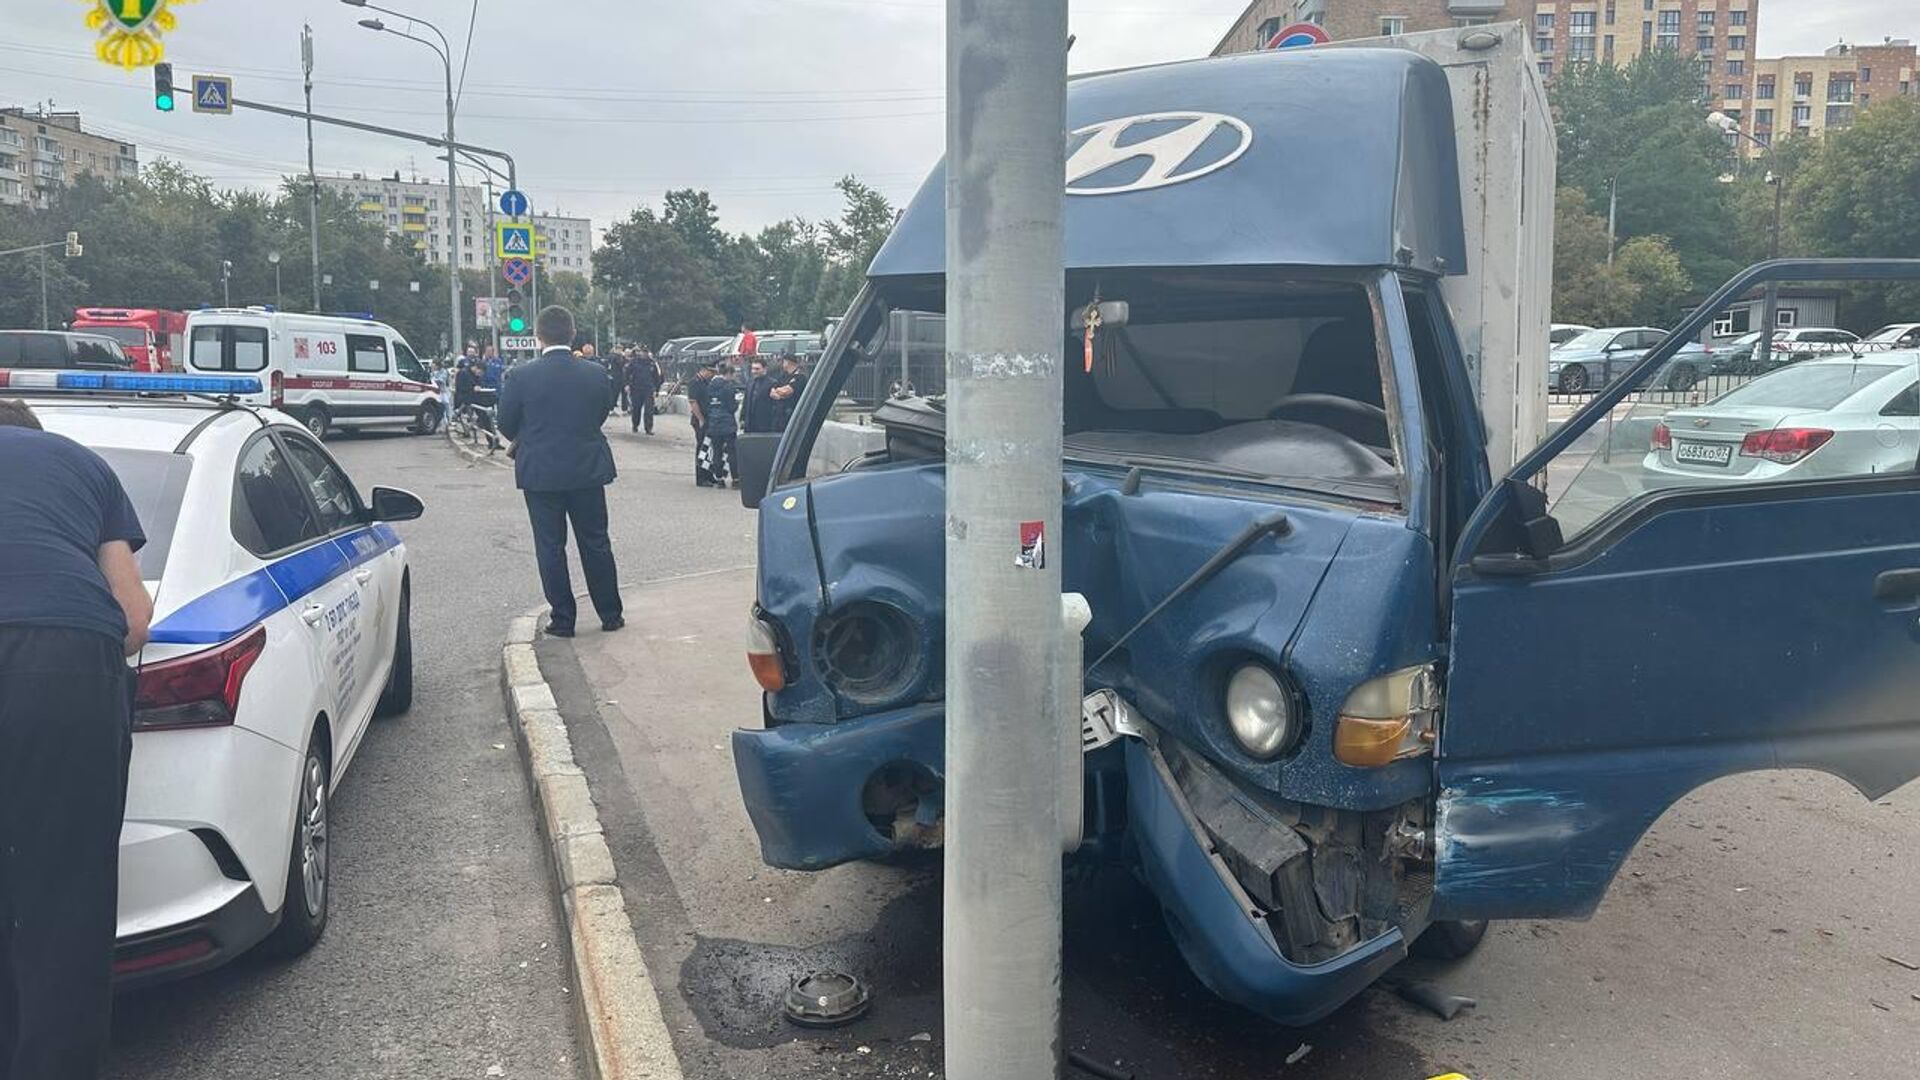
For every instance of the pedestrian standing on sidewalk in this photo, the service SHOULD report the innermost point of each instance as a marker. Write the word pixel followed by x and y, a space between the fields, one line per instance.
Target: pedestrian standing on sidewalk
pixel 72 609
pixel 552 409
pixel 643 382
pixel 696 411
pixel 720 401
pixel 757 414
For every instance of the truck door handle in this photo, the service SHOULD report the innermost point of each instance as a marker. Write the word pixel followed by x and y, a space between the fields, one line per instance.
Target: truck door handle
pixel 311 614
pixel 1898 590
pixel 363 575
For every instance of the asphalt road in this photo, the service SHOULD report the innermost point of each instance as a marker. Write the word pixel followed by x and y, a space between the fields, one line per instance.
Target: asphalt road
pixel 445 955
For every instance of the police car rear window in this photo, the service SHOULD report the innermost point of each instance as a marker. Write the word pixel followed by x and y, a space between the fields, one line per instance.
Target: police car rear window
pixel 155 481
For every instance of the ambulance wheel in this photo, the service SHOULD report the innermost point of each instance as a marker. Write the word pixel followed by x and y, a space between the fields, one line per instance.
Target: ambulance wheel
pixel 316 421
pixel 1450 939
pixel 427 420
pixel 304 906
pixel 398 696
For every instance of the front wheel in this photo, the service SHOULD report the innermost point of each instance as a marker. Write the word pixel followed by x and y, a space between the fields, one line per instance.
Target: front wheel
pixel 427 420
pixel 1450 939
pixel 1682 377
pixel 1573 379
pixel 303 909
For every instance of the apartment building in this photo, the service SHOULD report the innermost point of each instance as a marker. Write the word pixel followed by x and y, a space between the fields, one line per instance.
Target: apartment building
pixel 42 152
pixel 416 210
pixel 1807 95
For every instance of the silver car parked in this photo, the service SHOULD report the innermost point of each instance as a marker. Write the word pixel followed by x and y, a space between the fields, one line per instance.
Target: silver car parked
pixel 1818 418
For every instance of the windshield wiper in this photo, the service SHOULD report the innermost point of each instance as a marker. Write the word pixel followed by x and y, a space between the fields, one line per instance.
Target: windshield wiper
pixel 1275 524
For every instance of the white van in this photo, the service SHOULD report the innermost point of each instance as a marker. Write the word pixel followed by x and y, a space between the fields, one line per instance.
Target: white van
pixel 326 371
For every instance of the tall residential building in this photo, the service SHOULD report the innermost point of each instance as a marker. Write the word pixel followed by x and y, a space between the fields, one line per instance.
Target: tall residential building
pixel 1719 34
pixel 42 152
pixel 1806 95
pixel 416 209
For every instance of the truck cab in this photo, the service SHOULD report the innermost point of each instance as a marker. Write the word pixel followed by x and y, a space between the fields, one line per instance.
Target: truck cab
pixel 1327 709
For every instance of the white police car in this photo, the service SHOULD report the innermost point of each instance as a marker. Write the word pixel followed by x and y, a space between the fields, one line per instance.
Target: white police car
pixel 280 630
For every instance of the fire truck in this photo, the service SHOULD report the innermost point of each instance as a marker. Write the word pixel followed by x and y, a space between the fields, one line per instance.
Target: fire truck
pixel 151 337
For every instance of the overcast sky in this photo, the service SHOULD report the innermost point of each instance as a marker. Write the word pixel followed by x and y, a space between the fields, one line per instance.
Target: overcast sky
pixel 608 103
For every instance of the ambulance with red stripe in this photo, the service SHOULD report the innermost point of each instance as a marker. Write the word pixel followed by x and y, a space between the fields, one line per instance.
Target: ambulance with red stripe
pixel 329 372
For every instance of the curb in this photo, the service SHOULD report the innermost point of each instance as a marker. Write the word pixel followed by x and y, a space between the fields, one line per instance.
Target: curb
pixel 475 455
pixel 619 1013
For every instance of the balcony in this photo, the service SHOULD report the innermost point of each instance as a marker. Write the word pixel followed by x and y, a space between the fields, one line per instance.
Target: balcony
pixel 371 207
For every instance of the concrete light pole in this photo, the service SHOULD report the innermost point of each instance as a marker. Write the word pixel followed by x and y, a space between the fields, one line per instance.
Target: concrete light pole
pixel 274 258
pixel 444 50
pixel 313 179
pixel 1006 311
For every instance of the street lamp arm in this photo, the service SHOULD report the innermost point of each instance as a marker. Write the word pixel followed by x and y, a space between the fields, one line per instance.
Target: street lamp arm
pixel 438 51
pixel 410 19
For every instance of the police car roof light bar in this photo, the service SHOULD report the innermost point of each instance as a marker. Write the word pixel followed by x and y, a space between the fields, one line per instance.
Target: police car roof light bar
pixel 128 382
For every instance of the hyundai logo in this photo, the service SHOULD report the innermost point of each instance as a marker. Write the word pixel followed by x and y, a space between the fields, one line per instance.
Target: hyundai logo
pixel 1140 153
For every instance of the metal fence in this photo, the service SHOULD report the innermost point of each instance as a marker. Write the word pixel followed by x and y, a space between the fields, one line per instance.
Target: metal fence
pixel 910 360
pixel 1691 379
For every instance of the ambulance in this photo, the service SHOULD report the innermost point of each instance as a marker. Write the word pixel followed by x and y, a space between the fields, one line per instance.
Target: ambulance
pixel 328 372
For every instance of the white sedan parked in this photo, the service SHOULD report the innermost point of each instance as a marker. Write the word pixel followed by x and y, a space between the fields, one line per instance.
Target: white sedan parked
pixel 1815 419
pixel 280 629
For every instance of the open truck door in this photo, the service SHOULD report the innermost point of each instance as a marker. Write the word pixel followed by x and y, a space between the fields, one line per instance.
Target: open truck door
pixel 1673 588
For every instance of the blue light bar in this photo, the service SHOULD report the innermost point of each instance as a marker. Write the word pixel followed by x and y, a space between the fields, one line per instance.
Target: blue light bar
pixel 127 382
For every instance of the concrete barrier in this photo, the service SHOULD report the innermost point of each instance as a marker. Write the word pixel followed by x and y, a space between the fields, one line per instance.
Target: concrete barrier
pixel 840 442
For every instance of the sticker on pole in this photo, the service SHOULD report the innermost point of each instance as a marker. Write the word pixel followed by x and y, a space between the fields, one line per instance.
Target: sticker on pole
pixel 517 271
pixel 513 241
pixel 1033 546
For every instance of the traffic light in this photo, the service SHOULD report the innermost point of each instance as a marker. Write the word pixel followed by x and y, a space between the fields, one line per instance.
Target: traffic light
pixel 516 315
pixel 73 245
pixel 163 87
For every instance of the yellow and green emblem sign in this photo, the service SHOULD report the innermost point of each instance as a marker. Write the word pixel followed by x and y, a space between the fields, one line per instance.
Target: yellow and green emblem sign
pixel 130 30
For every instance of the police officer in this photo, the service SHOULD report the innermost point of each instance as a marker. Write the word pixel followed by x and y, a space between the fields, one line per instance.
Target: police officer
pixel 72 608
pixel 786 390
pixel 720 408
pixel 696 411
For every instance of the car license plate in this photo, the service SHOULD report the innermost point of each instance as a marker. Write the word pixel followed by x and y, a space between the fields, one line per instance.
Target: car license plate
pixel 1695 453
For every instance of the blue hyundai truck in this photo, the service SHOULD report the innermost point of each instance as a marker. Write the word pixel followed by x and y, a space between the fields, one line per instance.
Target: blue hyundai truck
pixel 1368 663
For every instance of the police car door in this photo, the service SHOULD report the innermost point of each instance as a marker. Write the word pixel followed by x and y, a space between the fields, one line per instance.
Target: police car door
pixel 355 627
pixel 1675 587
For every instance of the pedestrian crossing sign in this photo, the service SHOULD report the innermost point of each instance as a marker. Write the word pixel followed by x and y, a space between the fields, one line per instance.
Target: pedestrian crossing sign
pixel 513 240
pixel 212 94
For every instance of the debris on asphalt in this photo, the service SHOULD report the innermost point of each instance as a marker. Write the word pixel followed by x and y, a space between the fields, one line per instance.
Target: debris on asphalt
pixel 496 1069
pixel 823 999
pixel 1299 1052
pixel 920 1036
pixel 1908 964
pixel 1096 1068
pixel 1878 1004
pixel 1440 1003
pixel 499 746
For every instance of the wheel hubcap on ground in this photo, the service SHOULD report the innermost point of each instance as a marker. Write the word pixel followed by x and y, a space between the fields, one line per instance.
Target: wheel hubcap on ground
pixel 313 836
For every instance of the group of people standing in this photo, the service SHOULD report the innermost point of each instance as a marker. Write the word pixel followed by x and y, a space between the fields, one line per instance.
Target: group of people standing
pixel 722 407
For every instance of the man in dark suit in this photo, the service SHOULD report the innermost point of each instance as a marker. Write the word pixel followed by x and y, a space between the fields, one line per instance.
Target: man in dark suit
pixel 643 382
pixel 552 409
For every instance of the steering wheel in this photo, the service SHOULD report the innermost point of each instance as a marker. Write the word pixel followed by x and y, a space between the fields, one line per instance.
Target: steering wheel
pixel 1370 415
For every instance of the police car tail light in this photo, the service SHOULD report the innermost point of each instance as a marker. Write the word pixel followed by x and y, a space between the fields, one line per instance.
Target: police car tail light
pixel 763 655
pixel 202 690
pixel 1388 718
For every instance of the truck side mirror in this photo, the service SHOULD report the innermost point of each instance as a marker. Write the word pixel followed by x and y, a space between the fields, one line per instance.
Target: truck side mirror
pixel 753 456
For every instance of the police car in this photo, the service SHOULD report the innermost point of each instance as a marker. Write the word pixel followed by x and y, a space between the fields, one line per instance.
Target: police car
pixel 280 631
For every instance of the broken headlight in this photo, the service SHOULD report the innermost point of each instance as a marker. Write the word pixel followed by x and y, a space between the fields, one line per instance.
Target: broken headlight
pixel 868 652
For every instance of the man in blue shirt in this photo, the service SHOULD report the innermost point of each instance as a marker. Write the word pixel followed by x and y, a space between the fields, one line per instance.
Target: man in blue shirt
pixel 494 370
pixel 72 608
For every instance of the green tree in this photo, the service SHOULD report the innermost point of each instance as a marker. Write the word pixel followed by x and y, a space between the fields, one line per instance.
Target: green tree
pixel 1858 195
pixel 1659 283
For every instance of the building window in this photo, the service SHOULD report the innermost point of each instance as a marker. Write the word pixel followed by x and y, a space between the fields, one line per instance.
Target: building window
pixel 1610 12
pixel 1546 69
pixel 1543 46
pixel 1543 22
pixel 1802 115
pixel 393 200
pixel 1607 48
pixel 1580 50
pixel 1264 33
pixel 1706 19
pixel 1765 90
pixel 1763 118
pixel 1646 35
pixel 1737 18
pixel 1866 74
pixel 1840 89
pixel 1737 43
pixel 1703 44
pixel 1802 86
pixel 1393 25
pixel 1866 100
pixel 1735 91
pixel 393 219
pixel 1646 5
pixel 1736 67
pixel 1839 116
pixel 1765 137
pixel 1670 30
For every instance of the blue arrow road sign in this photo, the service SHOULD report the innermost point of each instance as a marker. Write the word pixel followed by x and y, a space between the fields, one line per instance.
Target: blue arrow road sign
pixel 212 94
pixel 513 241
pixel 513 201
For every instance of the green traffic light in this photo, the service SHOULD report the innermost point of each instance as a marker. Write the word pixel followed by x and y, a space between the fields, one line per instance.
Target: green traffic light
pixel 517 325
pixel 163 102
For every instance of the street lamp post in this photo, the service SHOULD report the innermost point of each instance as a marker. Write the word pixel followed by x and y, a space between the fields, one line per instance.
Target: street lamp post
pixel 274 258
pixel 226 282
pixel 444 50
pixel 1763 348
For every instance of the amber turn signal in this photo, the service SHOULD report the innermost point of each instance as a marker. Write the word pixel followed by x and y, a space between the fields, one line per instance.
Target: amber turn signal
pixel 1369 744
pixel 767 671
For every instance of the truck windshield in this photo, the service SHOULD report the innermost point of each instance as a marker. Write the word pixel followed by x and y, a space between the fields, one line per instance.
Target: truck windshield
pixel 125 335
